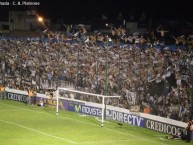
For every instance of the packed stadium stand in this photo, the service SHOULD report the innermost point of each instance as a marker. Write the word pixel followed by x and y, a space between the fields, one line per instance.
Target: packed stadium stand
pixel 149 75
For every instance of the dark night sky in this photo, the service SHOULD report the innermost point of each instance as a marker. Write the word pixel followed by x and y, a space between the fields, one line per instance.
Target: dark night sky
pixel 75 9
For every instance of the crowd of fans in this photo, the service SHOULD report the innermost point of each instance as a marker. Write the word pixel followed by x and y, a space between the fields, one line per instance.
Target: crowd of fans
pixel 138 67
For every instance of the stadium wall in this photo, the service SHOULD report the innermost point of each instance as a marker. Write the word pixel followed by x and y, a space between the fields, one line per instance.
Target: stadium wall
pixel 156 123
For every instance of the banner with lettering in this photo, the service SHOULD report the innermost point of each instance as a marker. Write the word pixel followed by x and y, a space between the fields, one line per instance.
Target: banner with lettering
pixel 16 97
pixel 94 110
pixel 161 126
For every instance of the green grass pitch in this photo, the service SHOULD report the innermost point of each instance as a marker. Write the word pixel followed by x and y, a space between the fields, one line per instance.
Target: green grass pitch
pixel 31 125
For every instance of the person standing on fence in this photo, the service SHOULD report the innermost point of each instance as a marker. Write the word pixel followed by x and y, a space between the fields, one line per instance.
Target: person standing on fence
pixel 30 97
pixel 189 129
pixel 2 92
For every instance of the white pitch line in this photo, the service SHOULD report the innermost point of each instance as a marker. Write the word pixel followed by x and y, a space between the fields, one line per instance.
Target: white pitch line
pixel 137 138
pixel 53 115
pixel 9 110
pixel 40 132
pixel 110 141
pixel 162 138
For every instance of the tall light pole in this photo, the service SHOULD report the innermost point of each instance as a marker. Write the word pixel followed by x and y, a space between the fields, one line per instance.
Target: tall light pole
pixel 97 75
pixel 78 68
pixel 3 66
pixel 191 75
pixel 40 19
pixel 106 73
pixel 106 68
pixel 42 23
pixel 119 78
pixel 39 70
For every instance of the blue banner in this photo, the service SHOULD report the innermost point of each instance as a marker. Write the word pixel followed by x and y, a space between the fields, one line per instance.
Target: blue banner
pixel 80 107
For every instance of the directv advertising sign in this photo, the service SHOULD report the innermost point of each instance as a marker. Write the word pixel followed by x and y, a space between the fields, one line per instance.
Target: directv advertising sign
pixel 110 114
pixel 125 118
